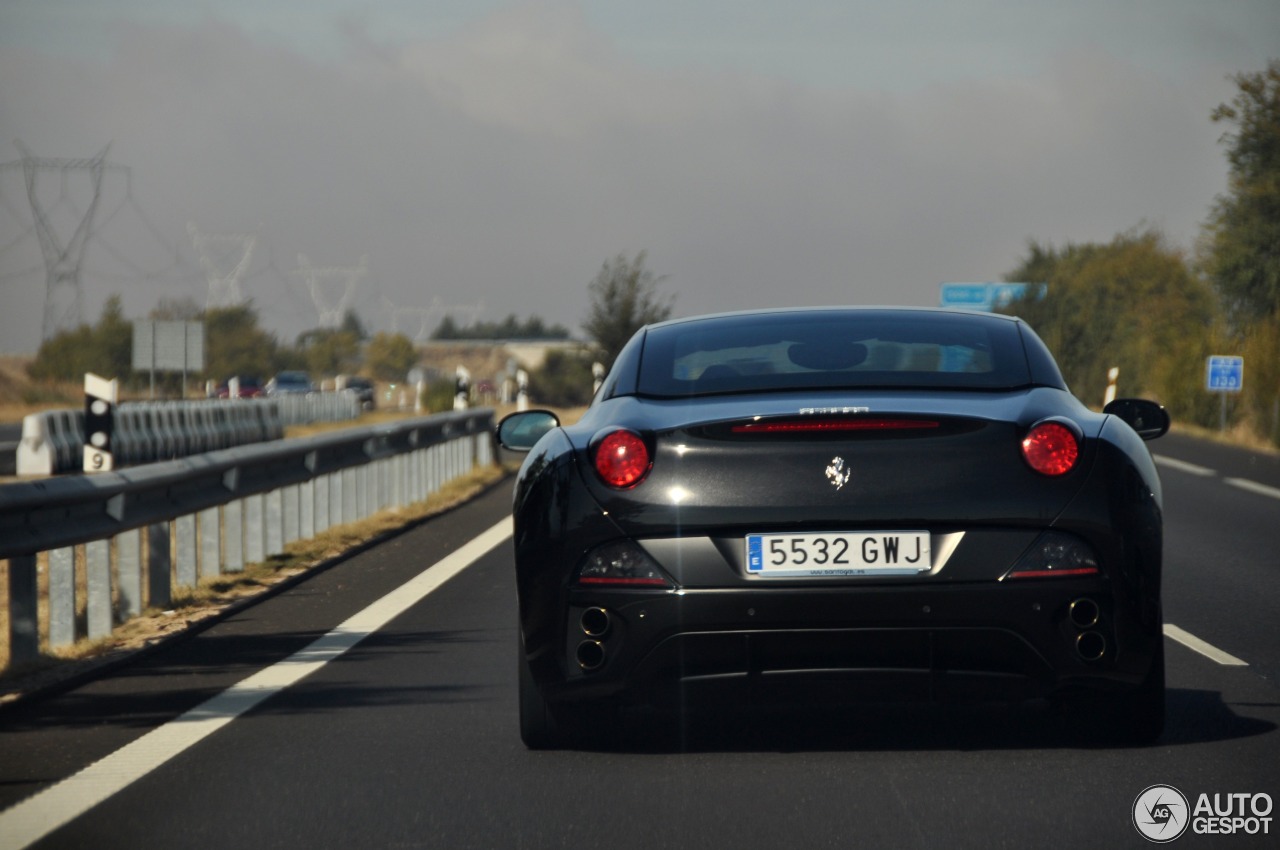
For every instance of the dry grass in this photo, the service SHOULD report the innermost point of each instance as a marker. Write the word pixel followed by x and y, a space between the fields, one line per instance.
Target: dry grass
pixel 212 596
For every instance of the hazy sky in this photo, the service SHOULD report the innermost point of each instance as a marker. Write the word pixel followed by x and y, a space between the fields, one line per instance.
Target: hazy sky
pixel 495 154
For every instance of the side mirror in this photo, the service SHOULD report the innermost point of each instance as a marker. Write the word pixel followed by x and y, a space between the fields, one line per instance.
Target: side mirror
pixel 1149 419
pixel 519 432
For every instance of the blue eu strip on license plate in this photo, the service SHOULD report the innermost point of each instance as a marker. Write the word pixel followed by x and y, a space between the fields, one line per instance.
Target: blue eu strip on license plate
pixel 834 554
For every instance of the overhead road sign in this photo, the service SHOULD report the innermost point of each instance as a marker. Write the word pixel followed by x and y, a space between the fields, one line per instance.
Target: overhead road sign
pixel 987 296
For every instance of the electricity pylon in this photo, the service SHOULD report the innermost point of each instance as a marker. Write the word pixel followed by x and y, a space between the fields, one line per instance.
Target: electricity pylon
pixel 64 291
pixel 224 287
pixel 331 312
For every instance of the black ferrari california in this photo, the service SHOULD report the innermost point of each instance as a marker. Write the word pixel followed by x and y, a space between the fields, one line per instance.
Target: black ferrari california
pixel 832 504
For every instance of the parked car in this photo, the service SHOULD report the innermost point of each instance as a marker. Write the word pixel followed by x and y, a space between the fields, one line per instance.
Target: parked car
pixel 364 390
pixel 289 383
pixel 250 387
pixel 832 505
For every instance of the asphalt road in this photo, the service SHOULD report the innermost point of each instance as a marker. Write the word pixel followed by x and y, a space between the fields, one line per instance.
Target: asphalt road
pixel 409 738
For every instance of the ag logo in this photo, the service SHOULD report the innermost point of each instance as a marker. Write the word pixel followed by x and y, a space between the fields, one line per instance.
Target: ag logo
pixel 1161 813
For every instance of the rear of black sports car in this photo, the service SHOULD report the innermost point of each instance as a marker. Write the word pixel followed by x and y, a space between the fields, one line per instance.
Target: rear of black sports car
pixel 860 504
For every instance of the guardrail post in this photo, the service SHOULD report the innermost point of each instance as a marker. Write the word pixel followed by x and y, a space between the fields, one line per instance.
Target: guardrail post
pixel 210 543
pixel 350 490
pixel 336 484
pixel 291 508
pixel 233 527
pixel 321 503
pixel 62 597
pixel 24 602
pixel 129 568
pixel 159 566
pixel 275 522
pixel 254 529
pixel 307 509
pixel 97 567
pixel 363 475
pixel 185 533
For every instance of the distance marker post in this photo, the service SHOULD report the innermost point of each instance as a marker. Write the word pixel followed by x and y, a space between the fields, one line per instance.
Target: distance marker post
pixel 100 397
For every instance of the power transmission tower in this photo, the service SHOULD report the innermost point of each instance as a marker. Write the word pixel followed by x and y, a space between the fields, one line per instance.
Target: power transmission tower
pixel 64 292
pixel 329 309
pixel 422 314
pixel 216 248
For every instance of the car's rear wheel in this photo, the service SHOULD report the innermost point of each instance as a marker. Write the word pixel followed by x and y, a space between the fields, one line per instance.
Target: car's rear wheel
pixel 538 727
pixel 1140 716
pixel 545 726
pixel 1135 718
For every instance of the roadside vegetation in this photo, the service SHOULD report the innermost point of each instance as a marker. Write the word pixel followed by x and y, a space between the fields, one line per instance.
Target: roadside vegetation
pixel 1157 313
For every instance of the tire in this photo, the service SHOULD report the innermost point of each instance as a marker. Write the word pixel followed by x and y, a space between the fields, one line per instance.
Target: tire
pixel 538 727
pixel 1135 718
pixel 1140 716
pixel 544 726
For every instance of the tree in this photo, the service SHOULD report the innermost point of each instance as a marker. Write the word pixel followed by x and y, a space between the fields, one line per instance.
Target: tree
pixel 329 351
pixel 389 357
pixel 105 349
pixel 1242 235
pixel 235 345
pixel 563 380
pixel 1132 303
pixel 624 298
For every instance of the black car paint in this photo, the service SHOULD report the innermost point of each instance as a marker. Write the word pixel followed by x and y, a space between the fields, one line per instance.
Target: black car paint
pixel 931 635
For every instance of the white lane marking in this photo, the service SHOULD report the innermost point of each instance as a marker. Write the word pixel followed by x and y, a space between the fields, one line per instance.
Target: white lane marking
pixel 1208 650
pixel 37 816
pixel 1253 487
pixel 1183 466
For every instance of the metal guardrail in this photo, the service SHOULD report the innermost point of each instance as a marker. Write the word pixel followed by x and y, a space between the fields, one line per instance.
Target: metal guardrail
pixel 139 532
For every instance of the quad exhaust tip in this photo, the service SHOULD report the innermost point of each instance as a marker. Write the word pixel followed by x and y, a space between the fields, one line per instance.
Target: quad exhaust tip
pixel 590 655
pixel 1084 613
pixel 595 622
pixel 1091 646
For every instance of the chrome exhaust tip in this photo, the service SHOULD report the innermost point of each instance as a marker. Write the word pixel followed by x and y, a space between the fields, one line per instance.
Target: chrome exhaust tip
pixel 1091 646
pixel 595 622
pixel 1084 613
pixel 590 655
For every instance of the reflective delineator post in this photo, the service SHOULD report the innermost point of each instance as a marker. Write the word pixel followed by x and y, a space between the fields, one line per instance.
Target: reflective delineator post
pixel 100 397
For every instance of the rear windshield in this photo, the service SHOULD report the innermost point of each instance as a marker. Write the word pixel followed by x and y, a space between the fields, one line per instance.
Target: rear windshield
pixel 831 350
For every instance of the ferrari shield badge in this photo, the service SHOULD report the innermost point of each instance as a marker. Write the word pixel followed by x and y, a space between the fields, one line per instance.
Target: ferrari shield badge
pixel 837 473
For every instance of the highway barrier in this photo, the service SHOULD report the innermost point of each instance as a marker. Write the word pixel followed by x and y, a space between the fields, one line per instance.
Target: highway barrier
pixel 145 432
pixel 138 532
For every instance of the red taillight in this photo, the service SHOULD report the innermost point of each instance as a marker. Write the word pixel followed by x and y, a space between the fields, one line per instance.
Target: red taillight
pixel 622 459
pixel 1051 448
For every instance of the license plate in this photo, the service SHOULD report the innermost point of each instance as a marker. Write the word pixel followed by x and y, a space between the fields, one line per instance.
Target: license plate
pixel 877 553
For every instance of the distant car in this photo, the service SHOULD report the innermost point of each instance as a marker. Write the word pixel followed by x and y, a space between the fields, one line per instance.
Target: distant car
pixel 364 390
pixel 832 505
pixel 289 383
pixel 250 387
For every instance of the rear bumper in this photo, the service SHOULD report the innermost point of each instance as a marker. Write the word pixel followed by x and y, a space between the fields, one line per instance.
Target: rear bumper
pixel 992 640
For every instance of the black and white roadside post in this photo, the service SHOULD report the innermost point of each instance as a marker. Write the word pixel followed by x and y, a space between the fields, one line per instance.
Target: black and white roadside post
pixel 1113 377
pixel 522 390
pixel 100 397
pixel 461 388
pixel 597 376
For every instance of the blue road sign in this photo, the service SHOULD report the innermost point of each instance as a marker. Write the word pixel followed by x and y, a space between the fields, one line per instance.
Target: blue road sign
pixel 1224 374
pixel 986 296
